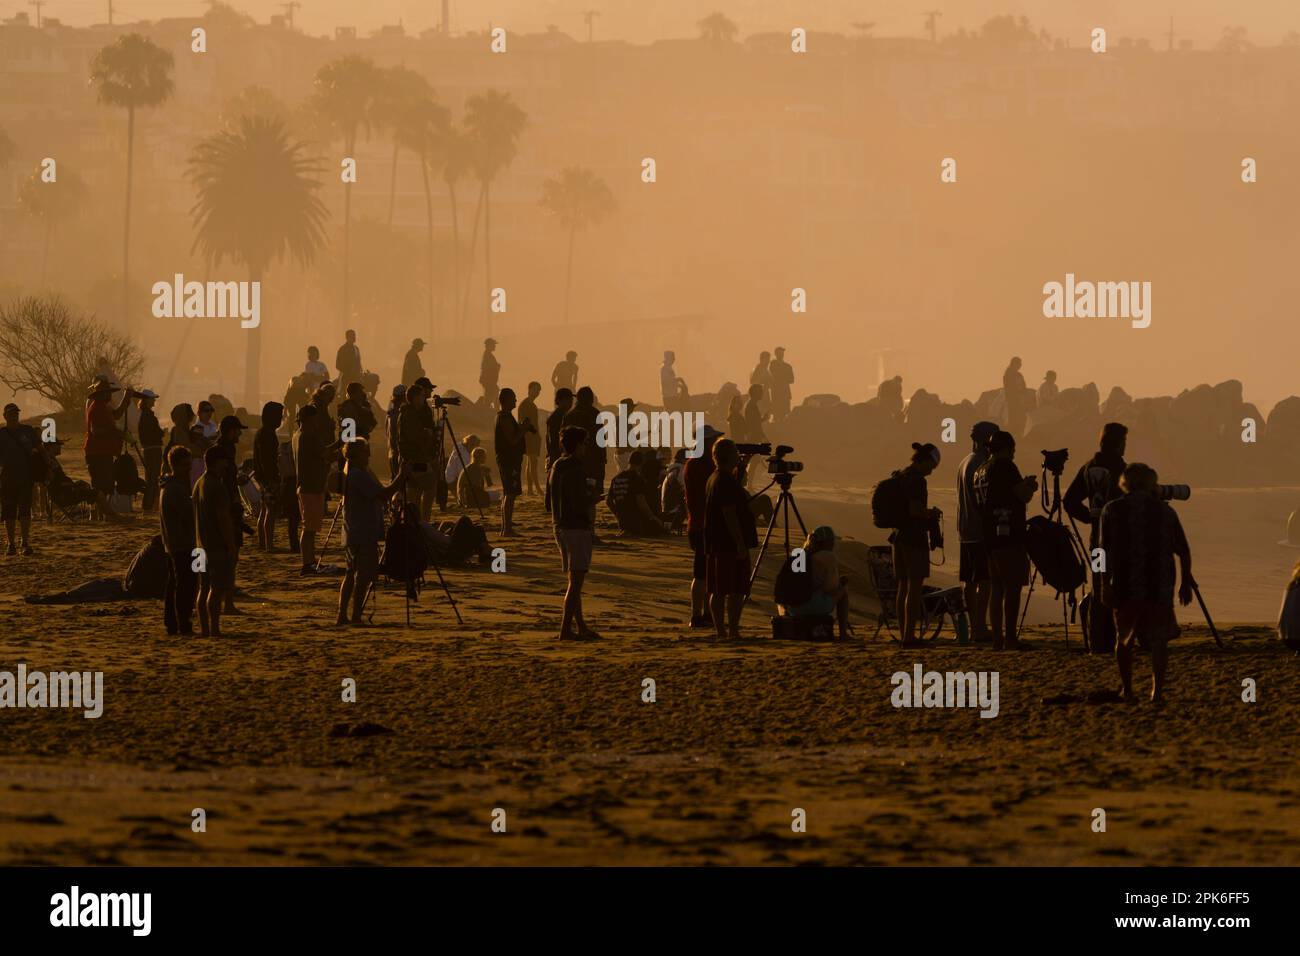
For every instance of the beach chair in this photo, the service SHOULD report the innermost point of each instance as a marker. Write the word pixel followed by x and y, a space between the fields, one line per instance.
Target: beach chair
pixel 937 603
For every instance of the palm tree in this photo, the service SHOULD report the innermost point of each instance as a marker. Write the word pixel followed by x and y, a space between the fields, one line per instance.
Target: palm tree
pixel 717 29
pixel 345 94
pixel 457 159
pixel 257 202
pixel 495 121
pixel 52 202
pixel 423 130
pixel 577 197
pixel 132 72
pixel 6 149
pixel 402 91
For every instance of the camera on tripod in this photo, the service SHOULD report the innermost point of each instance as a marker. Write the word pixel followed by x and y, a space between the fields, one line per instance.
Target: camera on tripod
pixel 777 465
pixel 754 448
pixel 439 401
pixel 1054 461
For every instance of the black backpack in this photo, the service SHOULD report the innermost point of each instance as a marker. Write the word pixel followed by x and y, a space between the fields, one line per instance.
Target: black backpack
pixel 126 476
pixel 889 503
pixel 793 588
pixel 1056 554
pixel 405 558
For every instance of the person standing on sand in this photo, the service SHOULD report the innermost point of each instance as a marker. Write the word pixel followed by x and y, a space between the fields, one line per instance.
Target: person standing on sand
pixel 554 422
pixel 348 362
pixel 1003 493
pixel 1141 535
pixel 572 503
pixel 729 533
pixel 782 373
pixel 1014 394
pixel 508 441
pixel 695 482
pixel 668 382
pixel 363 527
pixel 176 516
pixel 412 367
pixel 489 374
pixel 973 566
pixel 103 443
pixel 151 447
pixel 529 418
pixel 214 533
pixel 584 415
pixel 311 458
pixel 565 374
pixel 266 471
pixel 19 451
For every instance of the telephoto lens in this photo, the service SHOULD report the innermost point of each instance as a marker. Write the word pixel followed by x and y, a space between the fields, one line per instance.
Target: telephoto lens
pixel 1173 492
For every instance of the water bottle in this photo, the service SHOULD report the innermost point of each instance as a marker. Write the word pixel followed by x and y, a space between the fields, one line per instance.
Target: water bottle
pixel 962 625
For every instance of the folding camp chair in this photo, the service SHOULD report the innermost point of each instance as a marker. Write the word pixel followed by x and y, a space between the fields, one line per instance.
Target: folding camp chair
pixel 936 603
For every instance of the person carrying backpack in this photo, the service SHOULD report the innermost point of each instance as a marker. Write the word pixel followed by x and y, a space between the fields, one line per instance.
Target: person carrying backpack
pixel 900 503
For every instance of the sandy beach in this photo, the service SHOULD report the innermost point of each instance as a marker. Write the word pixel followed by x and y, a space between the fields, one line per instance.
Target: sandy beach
pixel 453 722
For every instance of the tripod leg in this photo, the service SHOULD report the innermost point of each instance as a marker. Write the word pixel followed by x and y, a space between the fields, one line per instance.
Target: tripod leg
pixel 446 590
pixel 320 555
pixel 460 455
pixel 798 517
pixel 762 550
pixel 1206 611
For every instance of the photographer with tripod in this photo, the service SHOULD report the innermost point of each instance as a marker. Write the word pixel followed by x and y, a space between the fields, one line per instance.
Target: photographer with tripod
pixel 1094 487
pixel 415 445
pixel 363 526
pixel 1141 535
pixel 1003 493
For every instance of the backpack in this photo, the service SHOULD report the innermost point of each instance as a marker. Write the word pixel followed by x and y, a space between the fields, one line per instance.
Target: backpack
pixel 146 575
pixel 1056 554
pixel 793 588
pixel 467 539
pixel 889 503
pixel 405 558
pixel 126 476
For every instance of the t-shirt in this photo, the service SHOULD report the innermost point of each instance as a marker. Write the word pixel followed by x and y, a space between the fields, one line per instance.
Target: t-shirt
pixel 1140 535
pixel 213 530
pixel 782 376
pixel 722 493
pixel 532 437
pixel 570 497
pixel 177 515
pixel 754 422
pixel 915 529
pixel 509 440
pixel 970 522
pixel 266 457
pixel 554 422
pixel 16 447
pixel 412 368
pixel 695 478
pixel 310 461
pixel 489 370
pixel 103 437
pixel 150 432
pixel 1002 512
pixel 667 382
pixel 623 489
pixel 316 368
pixel 363 507
pixel 584 417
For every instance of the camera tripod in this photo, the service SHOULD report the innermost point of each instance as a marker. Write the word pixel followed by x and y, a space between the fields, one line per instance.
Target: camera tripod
pixel 443 425
pixel 1055 512
pixel 412 529
pixel 784 502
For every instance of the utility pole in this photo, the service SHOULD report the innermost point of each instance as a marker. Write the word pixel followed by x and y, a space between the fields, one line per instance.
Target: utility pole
pixel 932 24
pixel 37 4
pixel 446 18
pixel 590 17
pixel 289 7
pixel 1171 34
pixel 110 12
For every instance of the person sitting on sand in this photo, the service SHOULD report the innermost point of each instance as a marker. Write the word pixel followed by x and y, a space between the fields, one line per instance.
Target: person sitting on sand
pixel 629 499
pixel 215 535
pixel 1140 536
pixel 474 484
pixel 830 590
pixel 571 508
pixel 1288 621
pixel 363 526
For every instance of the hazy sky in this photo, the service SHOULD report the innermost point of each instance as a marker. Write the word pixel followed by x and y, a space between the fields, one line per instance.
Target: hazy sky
pixel 640 20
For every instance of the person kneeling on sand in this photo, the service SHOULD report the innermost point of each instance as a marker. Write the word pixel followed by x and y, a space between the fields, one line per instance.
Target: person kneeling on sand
pixel 363 525
pixel 571 507
pixel 1140 536
pixel 474 486
pixel 830 589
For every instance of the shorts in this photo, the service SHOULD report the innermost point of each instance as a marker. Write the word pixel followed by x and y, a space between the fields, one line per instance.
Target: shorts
pixel 421 482
pixel 220 573
pixel 312 506
pixel 726 573
pixel 1010 565
pixel 974 565
pixel 15 500
pixel 1144 623
pixel 363 558
pixel 575 548
pixel 512 477
pixel 911 561
pixel 101 473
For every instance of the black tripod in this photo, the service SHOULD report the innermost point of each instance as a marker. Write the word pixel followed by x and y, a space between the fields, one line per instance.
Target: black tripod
pixel 444 427
pixel 410 543
pixel 784 502
pixel 1055 512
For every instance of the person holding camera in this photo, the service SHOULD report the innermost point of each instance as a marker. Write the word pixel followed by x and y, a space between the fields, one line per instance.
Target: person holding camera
pixel 415 445
pixel 1094 487
pixel 973 570
pixel 1003 493
pixel 1140 536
